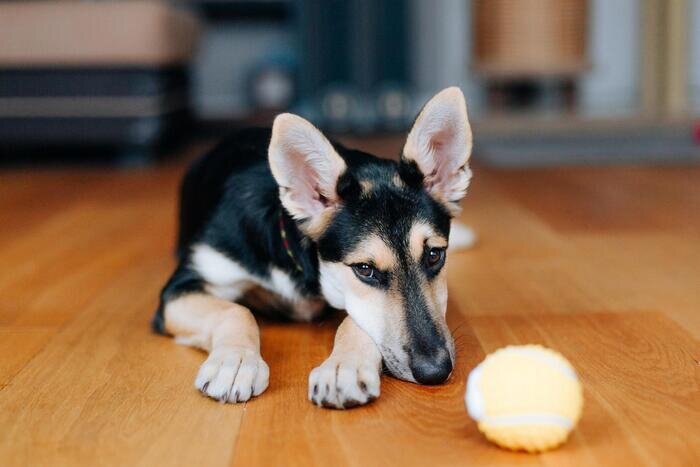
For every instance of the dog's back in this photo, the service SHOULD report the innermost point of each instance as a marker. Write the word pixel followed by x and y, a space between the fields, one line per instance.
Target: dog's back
pixel 204 184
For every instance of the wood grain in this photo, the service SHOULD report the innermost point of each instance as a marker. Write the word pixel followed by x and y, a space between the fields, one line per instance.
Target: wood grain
pixel 17 347
pixel 602 264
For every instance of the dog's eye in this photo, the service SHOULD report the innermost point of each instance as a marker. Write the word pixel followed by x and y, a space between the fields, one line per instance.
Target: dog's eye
pixel 370 275
pixel 434 257
pixel 363 270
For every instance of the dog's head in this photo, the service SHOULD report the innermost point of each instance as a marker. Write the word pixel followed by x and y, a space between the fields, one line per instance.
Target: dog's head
pixel 382 228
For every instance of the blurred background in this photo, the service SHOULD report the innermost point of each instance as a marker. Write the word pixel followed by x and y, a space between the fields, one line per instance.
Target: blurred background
pixel 547 81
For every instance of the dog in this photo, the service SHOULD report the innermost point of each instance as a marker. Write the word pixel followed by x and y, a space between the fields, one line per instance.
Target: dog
pixel 285 221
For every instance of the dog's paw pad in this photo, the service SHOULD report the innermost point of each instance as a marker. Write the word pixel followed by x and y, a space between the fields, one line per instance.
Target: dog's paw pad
pixel 342 384
pixel 233 375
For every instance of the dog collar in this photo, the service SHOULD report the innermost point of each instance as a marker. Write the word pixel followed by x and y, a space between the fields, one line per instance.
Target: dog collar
pixel 285 243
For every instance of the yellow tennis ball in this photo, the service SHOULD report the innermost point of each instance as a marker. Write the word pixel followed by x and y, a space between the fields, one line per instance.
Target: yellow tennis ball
pixel 525 397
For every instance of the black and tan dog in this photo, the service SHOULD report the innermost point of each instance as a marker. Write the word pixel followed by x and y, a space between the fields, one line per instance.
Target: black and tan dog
pixel 286 220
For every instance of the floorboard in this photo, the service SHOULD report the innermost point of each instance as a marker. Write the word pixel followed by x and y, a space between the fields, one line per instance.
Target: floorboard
pixel 602 264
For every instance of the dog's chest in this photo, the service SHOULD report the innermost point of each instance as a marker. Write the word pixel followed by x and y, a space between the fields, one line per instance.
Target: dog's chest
pixel 278 292
pixel 299 309
pixel 287 298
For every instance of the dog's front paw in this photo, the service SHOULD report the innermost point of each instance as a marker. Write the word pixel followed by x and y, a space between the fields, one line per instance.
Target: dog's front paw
pixel 340 384
pixel 233 375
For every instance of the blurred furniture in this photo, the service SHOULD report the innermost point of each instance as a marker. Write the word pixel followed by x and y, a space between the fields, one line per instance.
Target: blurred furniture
pixel 355 70
pixel 246 63
pixel 585 81
pixel 93 73
pixel 665 54
pixel 523 38
pixel 530 52
pixel 348 65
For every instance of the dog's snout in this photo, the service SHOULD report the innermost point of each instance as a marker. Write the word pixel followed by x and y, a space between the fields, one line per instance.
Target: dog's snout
pixel 431 369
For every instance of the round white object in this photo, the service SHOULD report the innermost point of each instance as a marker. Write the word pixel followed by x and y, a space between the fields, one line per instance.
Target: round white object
pixel 525 397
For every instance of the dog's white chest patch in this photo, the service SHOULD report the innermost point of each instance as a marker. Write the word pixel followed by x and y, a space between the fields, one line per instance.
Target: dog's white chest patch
pixel 304 309
pixel 282 285
pixel 229 280
pixel 225 278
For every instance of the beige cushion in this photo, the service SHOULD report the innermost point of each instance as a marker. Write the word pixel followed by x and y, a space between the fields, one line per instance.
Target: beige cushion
pixel 115 33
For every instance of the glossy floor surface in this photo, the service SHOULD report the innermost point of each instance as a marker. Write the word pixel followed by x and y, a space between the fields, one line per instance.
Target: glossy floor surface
pixel 602 264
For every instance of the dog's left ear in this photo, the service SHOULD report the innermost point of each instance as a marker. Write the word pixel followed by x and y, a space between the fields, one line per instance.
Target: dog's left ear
pixel 440 144
pixel 306 168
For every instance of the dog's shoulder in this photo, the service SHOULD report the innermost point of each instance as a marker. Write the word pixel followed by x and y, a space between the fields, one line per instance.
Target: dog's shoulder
pixel 240 150
pixel 236 167
pixel 230 203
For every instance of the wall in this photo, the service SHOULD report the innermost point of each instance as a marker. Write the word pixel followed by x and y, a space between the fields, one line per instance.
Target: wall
pixel 611 87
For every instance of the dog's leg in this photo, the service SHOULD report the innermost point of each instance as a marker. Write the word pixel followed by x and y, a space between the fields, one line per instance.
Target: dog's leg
pixel 350 376
pixel 234 370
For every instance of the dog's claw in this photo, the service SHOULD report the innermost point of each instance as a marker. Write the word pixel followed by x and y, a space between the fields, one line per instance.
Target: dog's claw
pixel 342 384
pixel 350 403
pixel 233 375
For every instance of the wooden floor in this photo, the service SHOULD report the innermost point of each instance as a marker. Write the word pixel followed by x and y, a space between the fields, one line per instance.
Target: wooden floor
pixel 602 264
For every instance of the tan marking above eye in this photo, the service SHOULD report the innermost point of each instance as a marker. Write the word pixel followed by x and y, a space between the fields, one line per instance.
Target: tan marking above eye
pixel 367 187
pixel 396 179
pixel 423 234
pixel 437 242
pixel 373 250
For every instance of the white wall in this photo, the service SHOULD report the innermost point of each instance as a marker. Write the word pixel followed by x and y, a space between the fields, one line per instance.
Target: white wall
pixel 226 55
pixel 612 86
pixel 441 56
pixel 442 49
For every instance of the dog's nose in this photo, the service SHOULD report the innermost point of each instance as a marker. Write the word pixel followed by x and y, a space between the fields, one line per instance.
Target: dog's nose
pixel 431 369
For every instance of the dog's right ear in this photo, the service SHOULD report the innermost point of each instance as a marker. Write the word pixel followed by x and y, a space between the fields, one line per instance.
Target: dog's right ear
pixel 306 168
pixel 440 144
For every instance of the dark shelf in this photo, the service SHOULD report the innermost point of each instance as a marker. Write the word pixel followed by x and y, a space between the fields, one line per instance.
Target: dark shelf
pixel 244 10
